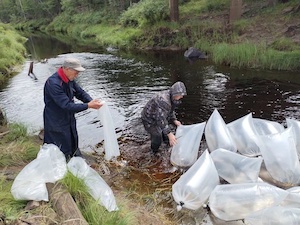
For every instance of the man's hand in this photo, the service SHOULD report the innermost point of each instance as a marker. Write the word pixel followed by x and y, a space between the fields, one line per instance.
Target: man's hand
pixel 177 123
pixel 95 104
pixel 172 139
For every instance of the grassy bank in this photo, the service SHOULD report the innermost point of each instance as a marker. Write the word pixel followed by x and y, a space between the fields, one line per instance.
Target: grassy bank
pixel 265 36
pixel 258 39
pixel 17 149
pixel 12 52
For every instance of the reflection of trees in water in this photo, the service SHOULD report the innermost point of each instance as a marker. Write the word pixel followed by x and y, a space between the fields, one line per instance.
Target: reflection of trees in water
pixel 264 98
pixel 129 79
pixel 46 47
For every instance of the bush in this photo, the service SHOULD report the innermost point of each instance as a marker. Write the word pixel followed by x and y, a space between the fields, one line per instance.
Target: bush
pixel 146 12
pixel 12 50
pixel 217 5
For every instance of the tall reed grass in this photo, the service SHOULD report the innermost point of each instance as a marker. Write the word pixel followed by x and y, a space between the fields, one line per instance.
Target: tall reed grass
pixel 249 55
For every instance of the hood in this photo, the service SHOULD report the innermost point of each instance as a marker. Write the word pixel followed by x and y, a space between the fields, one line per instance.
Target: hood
pixel 178 89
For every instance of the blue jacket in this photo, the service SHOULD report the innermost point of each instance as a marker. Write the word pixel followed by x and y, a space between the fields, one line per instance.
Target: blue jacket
pixel 59 112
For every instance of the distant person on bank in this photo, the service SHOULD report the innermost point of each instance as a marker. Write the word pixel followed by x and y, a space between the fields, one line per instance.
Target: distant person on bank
pixel 60 108
pixel 159 113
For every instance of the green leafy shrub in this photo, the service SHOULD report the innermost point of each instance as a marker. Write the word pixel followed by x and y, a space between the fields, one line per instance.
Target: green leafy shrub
pixel 146 12
pixel 216 5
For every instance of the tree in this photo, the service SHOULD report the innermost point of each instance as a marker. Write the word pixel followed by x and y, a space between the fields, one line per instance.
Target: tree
pixel 8 11
pixel 235 10
pixel 174 11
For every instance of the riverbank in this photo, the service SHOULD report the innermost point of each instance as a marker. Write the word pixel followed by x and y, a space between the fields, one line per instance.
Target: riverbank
pixel 12 52
pixel 18 149
pixel 266 36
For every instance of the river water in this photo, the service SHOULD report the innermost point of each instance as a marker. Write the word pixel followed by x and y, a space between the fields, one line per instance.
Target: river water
pixel 126 80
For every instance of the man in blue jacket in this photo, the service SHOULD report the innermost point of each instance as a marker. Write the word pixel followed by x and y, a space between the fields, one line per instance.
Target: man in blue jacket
pixel 159 112
pixel 60 108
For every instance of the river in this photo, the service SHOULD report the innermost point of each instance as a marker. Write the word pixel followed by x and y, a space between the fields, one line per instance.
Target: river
pixel 126 80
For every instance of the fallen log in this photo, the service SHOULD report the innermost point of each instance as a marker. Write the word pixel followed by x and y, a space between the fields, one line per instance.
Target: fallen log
pixel 64 205
pixel 4 133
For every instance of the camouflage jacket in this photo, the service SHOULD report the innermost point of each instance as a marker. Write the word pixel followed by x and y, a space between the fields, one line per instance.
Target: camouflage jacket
pixel 159 111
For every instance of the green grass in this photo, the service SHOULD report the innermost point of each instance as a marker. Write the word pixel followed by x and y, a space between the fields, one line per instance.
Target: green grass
pixel 9 207
pixel 107 35
pixel 192 7
pixel 93 212
pixel 16 148
pixel 12 51
pixel 145 13
pixel 249 55
pixel 285 44
pixel 216 5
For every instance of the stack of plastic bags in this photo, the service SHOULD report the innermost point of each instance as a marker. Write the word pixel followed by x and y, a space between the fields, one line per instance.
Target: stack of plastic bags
pixel 193 188
pixel 235 153
pixel 49 167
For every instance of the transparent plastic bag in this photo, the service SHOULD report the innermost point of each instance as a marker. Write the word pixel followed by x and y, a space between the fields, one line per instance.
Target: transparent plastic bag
pixel 295 126
pixel 280 156
pixel 293 198
pixel 111 145
pixel 236 168
pixel 276 215
pixel 185 152
pixel 244 135
pixel 265 127
pixel 217 134
pixel 236 201
pixel 49 167
pixel 29 184
pixel 53 162
pixel 193 188
pixel 97 187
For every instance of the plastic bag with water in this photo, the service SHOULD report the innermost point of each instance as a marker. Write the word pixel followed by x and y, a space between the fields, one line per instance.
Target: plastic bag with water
pixel 97 187
pixel 193 188
pixel 244 135
pixel 236 201
pixel 185 152
pixel 236 168
pixel 293 198
pixel 295 126
pixel 265 127
pixel 276 215
pixel 217 134
pixel 280 156
pixel 48 167
pixel 111 145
